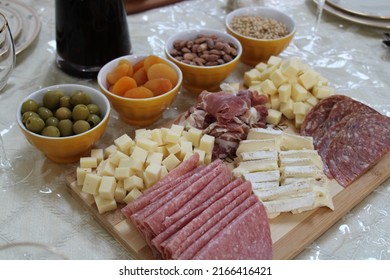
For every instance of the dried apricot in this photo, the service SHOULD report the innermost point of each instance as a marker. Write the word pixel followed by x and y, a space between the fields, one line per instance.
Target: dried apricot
pixel 159 86
pixel 119 71
pixel 161 70
pixel 140 76
pixel 138 65
pixel 123 84
pixel 152 59
pixel 139 92
pixel 131 70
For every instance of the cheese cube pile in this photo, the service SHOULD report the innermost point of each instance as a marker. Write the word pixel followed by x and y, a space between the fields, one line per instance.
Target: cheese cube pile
pixel 285 171
pixel 123 170
pixel 292 87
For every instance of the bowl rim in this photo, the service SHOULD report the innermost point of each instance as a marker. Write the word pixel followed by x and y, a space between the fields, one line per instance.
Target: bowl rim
pixel 59 86
pixel 252 10
pixel 200 31
pixel 138 57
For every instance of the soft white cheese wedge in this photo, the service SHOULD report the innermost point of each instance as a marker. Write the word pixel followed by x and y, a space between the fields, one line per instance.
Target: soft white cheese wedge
pixel 307 171
pixel 264 133
pixel 285 191
pixel 296 142
pixel 256 145
pixel 262 176
pixel 259 186
pixel 290 204
pixel 302 161
pixel 258 155
pixel 254 166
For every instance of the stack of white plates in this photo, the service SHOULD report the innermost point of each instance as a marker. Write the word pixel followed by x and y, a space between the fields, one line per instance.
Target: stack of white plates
pixel 23 21
pixel 375 13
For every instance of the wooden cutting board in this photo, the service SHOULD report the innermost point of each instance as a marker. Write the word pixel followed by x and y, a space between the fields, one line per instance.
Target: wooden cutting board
pixel 291 233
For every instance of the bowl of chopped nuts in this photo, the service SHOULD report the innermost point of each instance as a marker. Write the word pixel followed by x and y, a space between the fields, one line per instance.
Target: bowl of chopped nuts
pixel 206 57
pixel 262 31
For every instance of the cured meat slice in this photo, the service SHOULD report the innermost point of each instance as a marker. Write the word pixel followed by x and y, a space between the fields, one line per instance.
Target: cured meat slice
pixel 246 237
pixel 208 235
pixel 186 236
pixel 319 113
pixel 154 222
pixel 167 233
pixel 183 169
pixel 355 149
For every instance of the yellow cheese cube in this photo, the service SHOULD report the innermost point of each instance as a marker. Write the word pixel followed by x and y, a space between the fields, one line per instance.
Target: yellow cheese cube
pixel 268 87
pixel 298 93
pixel 251 76
pixel 149 181
pixel 299 120
pixel 308 79
pixel 124 143
pixel 185 148
pixel 164 171
pixel 275 102
pixel 122 173
pixel 163 150
pixel 255 87
pixel 88 162
pixel 173 148
pixel 142 133
pixel 287 109
pixel 136 164
pixel 194 135
pixel 107 187
pixel 267 72
pixel 207 143
pixel 177 128
pixel 208 158
pixel 108 169
pixel 291 67
pixel 274 60
pixel 284 92
pixel 312 101
pixel 153 171
pixel 80 174
pixel 98 154
pixel 156 136
pixel 104 205
pixel 139 153
pixel 132 195
pixel 110 150
pixel 322 92
pixel 278 78
pixel 202 155
pixel 188 155
pixel 155 158
pixel 261 66
pixel 170 162
pixel 300 108
pixel 120 194
pixel 147 144
pixel 116 157
pixel 91 183
pixel 274 117
pixel 133 182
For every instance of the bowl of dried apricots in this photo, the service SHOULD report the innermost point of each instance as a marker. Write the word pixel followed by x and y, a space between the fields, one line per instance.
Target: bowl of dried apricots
pixel 140 87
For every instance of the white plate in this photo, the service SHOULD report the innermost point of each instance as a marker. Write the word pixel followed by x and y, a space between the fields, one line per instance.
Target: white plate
pixel 373 22
pixel 15 21
pixel 379 9
pixel 31 24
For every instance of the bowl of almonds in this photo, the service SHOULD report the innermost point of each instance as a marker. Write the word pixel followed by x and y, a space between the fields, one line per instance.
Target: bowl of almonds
pixel 206 57
pixel 262 31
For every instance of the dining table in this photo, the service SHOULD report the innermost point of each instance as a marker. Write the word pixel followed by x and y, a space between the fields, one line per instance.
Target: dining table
pixel 36 207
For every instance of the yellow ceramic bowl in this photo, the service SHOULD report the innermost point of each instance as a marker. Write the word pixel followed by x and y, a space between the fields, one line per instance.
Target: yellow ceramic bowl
pixel 138 111
pixel 67 149
pixel 199 78
pixel 257 50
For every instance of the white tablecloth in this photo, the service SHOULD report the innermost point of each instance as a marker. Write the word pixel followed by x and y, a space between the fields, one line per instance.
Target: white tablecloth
pixel 35 204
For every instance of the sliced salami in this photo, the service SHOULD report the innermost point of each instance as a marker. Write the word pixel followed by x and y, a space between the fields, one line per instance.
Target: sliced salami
pixel 171 230
pixel 359 146
pixel 208 235
pixel 319 113
pixel 186 236
pixel 247 237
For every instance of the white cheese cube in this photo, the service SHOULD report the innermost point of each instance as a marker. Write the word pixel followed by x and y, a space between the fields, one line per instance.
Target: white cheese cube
pixel 163 150
pixel 124 143
pixel 154 158
pixel 185 148
pixel 287 109
pixel 116 157
pixel 88 162
pixel 153 171
pixel 251 76
pixel 104 205
pixel 278 78
pixel 142 133
pixel 173 148
pixel 299 119
pixel 255 87
pixel 274 117
pixel 149 181
pixel 268 87
pixel 322 92
pixel 291 67
pixel 156 136
pixel 108 169
pixel 202 155
pixel 308 79
pixel 110 150
pixel 120 194
pixel 301 108
pixel 275 102
pixel 194 135
pixel 177 128
pixel 170 162
pixel 98 154
pixel 139 153
pixel 147 144
pixel 164 171
pixel 91 183
pixel 207 143
pixel 298 93
pixel 261 66
pixel 107 187
pixel 80 174
pixel 136 164
pixel 267 72
pixel 284 92
pixel 187 156
pixel 132 195
pixel 312 101
pixel 133 182
pixel 172 136
pixel 208 158
pixel 122 173
pixel 274 60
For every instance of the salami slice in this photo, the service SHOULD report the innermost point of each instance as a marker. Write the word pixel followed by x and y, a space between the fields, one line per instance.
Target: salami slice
pixel 154 222
pixel 171 230
pixel 246 237
pixel 359 146
pixel 199 243
pixel 319 113
pixel 186 236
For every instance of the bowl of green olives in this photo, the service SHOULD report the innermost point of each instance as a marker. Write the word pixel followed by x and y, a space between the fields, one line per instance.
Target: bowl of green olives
pixel 64 121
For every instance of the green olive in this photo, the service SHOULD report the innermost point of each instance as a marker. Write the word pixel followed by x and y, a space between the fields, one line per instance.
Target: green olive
pixel 81 126
pixel 30 105
pixel 35 124
pixel 51 131
pixel 44 113
pixel 63 113
pixel 65 102
pixel 80 97
pixel 28 114
pixel 93 109
pixel 65 127
pixel 52 121
pixel 80 112
pixel 93 120
pixel 51 99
